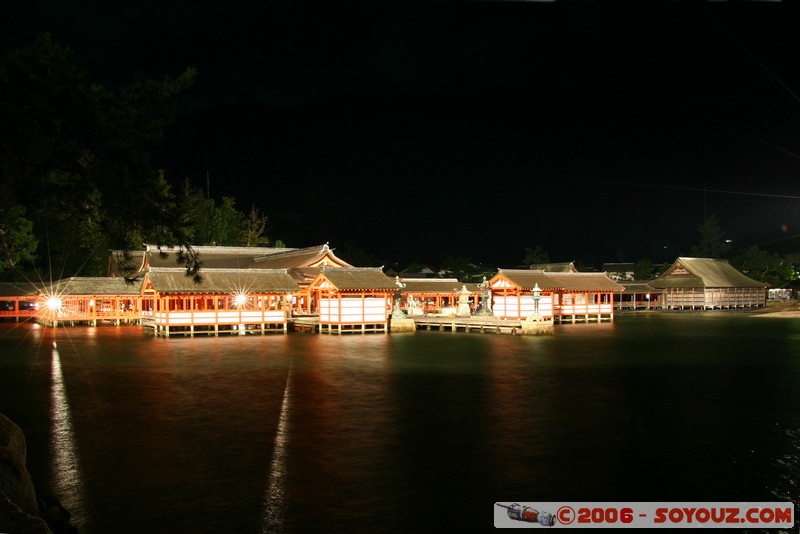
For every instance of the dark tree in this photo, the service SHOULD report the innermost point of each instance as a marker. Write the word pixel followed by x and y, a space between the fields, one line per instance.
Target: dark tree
pixel 712 240
pixel 459 268
pixel 764 266
pixel 643 269
pixel 77 156
pixel 535 256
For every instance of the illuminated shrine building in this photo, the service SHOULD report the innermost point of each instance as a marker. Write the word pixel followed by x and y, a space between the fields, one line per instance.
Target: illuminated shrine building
pixel 705 283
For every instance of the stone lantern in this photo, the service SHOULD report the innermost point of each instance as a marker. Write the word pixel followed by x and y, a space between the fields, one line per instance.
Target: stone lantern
pixel 486 300
pixel 463 302
pixel 398 313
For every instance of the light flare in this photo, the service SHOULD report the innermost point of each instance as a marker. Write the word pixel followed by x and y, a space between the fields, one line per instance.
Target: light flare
pixel 53 303
pixel 240 299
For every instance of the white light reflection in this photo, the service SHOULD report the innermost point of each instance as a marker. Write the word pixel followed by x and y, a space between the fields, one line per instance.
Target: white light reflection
pixel 68 483
pixel 275 506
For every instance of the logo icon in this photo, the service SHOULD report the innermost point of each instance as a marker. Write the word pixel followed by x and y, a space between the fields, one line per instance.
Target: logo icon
pixel 530 515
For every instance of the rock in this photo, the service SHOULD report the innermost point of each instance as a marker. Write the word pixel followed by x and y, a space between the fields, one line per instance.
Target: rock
pixel 12 519
pixel 11 437
pixel 15 481
pixel 55 515
pixel 21 510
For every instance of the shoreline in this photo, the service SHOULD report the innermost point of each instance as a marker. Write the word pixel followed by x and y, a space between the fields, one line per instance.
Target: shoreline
pixel 782 309
pixel 778 310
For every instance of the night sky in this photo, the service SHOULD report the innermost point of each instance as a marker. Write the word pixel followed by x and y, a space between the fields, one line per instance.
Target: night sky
pixel 417 130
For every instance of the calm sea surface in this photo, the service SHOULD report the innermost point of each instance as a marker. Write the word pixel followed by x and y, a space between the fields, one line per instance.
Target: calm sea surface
pixel 310 432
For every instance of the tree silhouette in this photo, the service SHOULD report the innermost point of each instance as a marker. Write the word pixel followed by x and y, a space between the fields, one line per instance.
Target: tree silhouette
pixel 712 240
pixel 77 156
pixel 535 256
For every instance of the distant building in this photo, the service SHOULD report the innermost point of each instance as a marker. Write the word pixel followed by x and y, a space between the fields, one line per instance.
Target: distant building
pixel 619 271
pixel 437 296
pixel 705 283
pixel 423 272
pixel 638 295
pixel 562 267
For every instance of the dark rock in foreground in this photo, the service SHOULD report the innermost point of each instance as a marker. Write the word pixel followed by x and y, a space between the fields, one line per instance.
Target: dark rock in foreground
pixel 21 510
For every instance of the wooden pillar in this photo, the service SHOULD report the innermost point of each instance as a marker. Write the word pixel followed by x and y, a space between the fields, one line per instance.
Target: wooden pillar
pixel 611 297
pixel 165 306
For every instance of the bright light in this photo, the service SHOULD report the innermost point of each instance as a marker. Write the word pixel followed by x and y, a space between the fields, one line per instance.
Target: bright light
pixel 53 303
pixel 239 299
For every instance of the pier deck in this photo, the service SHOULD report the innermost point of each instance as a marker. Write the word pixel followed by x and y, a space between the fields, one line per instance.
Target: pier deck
pixel 441 324
pixel 469 324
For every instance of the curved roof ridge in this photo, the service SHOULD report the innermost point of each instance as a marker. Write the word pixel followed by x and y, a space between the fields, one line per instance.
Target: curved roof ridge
pixel 290 251
pixel 211 248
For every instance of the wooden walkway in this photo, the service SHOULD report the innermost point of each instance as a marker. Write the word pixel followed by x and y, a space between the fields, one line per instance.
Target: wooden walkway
pixel 483 325
pixel 311 323
pixel 440 324
pixel 304 323
pixel 470 324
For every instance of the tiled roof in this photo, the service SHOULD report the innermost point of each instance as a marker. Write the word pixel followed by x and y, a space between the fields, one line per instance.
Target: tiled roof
pixel 303 257
pixel 638 286
pixel 88 285
pixel 20 289
pixel 210 257
pixel 243 257
pixel 125 262
pixel 304 275
pixel 703 272
pixel 567 281
pixel 585 282
pixel 527 278
pixel 175 280
pixel 355 278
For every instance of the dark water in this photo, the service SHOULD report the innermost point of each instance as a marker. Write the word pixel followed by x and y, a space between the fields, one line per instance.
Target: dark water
pixel 309 432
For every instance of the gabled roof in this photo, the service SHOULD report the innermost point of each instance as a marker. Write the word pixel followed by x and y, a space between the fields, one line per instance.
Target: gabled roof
pixel 703 272
pixel 585 282
pixel 175 280
pixel 210 257
pixel 213 257
pixel 302 257
pixel 568 281
pixel 638 286
pixel 434 285
pixel 126 262
pixel 355 278
pixel 304 275
pixel 560 267
pixel 527 278
pixel 88 285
